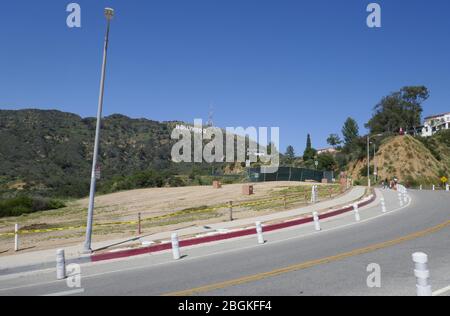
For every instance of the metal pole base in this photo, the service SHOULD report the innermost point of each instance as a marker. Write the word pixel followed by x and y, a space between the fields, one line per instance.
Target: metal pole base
pixel 87 250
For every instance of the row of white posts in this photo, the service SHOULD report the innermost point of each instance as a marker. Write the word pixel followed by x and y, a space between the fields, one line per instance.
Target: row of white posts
pixel 316 216
pixel 420 260
pixel 403 196
pixel 314 199
pixel 433 188
pixel 176 253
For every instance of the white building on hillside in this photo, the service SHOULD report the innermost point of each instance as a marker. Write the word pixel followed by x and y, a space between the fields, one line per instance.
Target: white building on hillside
pixel 435 123
pixel 329 150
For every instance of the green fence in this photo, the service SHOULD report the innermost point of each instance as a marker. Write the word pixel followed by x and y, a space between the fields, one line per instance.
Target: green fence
pixel 288 174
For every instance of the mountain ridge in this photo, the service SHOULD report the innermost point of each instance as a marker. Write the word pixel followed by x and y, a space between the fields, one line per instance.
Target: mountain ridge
pixel 50 151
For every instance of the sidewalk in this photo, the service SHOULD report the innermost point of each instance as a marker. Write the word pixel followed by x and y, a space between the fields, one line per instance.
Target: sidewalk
pixel 355 194
pixel 45 259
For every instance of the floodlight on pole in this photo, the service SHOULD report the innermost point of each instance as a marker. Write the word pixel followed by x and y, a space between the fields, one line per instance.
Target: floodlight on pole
pixel 109 14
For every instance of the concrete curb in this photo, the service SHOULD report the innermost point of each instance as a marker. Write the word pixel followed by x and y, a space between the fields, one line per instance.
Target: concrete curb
pixel 225 236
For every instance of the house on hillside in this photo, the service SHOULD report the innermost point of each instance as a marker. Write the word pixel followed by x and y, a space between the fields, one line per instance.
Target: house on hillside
pixel 435 123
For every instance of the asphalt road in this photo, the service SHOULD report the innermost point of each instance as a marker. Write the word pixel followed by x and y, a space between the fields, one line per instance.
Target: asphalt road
pixel 293 262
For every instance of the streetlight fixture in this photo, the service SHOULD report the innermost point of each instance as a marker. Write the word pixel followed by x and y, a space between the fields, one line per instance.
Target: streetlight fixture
pixel 109 14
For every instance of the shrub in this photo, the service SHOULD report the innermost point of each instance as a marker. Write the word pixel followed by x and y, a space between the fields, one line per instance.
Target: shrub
pixel 25 205
pixel 363 172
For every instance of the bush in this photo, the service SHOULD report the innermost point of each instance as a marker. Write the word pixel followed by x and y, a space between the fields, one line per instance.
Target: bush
pixel 141 180
pixel 25 205
pixel 411 182
pixel 363 172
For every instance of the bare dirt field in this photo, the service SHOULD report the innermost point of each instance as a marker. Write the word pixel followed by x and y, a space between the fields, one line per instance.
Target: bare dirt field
pixel 151 203
pixel 160 201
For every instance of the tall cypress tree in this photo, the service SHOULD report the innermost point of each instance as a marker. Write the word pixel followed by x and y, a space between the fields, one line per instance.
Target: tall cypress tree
pixel 310 152
pixel 308 142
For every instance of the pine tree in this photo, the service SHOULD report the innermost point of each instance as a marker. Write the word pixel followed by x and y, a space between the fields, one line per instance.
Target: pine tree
pixel 290 152
pixel 310 152
pixel 350 131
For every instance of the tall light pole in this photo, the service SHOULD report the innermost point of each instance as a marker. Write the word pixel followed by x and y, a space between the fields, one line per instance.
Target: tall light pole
pixel 109 14
pixel 375 169
pixel 368 157
pixel 368 161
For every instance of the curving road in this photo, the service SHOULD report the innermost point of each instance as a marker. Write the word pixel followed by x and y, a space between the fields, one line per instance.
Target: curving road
pixel 293 262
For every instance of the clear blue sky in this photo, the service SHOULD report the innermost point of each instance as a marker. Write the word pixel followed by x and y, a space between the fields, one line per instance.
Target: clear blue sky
pixel 304 66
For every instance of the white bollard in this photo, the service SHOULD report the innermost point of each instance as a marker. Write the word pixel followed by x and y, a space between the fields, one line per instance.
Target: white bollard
pixel 447 187
pixel 421 188
pixel 313 194
pixel 422 274
pixel 60 265
pixel 317 221
pixel 175 247
pixel 356 210
pixel 434 187
pixel 16 237
pixel 383 205
pixel 259 232
pixel 400 199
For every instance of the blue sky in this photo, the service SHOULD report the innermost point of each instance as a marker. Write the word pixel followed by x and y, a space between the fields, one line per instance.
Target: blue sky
pixel 304 66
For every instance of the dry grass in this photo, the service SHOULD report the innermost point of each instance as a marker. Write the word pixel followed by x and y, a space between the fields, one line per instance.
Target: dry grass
pixel 403 157
pixel 125 206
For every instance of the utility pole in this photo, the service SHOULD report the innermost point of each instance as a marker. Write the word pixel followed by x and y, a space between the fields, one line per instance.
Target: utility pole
pixel 109 14
pixel 368 157
pixel 368 161
pixel 375 168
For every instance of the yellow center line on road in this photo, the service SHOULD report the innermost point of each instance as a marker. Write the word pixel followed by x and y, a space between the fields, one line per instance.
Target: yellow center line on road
pixel 309 264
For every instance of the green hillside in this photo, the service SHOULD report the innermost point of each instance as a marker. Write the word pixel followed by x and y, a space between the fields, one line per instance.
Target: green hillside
pixel 49 153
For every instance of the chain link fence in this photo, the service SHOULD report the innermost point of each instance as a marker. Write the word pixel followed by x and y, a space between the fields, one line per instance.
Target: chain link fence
pixel 289 174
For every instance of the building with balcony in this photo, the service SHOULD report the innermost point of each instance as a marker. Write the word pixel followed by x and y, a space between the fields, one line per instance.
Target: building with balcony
pixel 435 123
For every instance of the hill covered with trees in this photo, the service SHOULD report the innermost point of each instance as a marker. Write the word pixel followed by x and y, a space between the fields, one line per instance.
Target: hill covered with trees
pixel 49 154
pixel 396 145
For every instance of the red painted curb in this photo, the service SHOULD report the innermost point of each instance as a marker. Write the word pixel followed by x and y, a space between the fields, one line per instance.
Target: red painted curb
pixel 209 239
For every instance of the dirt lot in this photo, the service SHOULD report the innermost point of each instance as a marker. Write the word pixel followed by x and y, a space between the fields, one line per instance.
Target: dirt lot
pixel 125 206
pixel 154 202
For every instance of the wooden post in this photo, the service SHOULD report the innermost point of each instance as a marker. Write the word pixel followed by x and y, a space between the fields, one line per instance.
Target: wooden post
pixel 16 237
pixel 139 224
pixel 231 210
pixel 285 201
